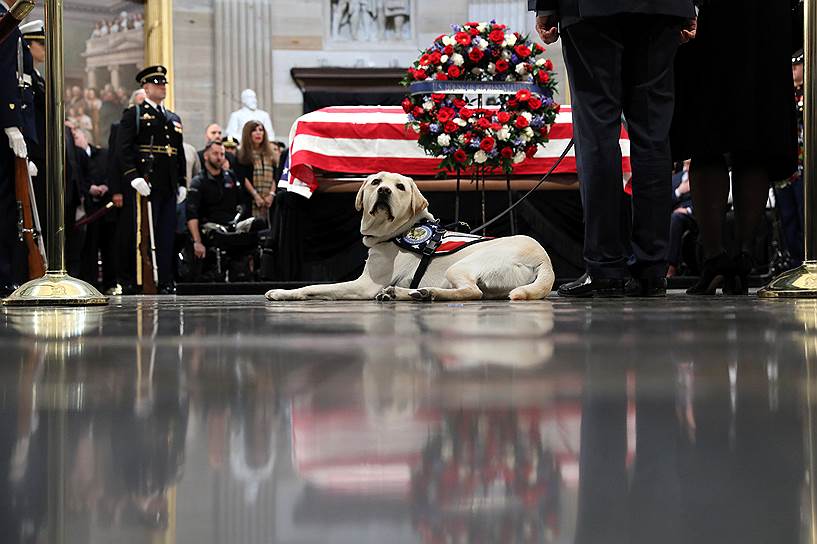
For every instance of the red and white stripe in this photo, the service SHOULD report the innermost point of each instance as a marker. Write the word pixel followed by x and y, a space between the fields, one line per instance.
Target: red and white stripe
pixel 368 139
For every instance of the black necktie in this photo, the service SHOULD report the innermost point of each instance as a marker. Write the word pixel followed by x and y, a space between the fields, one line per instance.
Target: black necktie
pixel 161 110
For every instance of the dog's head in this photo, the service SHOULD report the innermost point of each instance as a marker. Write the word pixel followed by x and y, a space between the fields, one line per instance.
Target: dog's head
pixel 389 202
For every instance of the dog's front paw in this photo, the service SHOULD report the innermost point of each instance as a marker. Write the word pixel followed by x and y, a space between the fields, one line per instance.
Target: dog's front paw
pixel 387 294
pixel 282 294
pixel 421 295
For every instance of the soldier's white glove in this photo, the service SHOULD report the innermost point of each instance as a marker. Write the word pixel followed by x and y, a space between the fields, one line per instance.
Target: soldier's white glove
pixel 32 169
pixel 141 186
pixel 16 142
pixel 181 194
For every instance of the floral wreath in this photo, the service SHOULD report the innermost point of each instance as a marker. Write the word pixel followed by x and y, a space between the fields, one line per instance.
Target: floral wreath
pixel 450 126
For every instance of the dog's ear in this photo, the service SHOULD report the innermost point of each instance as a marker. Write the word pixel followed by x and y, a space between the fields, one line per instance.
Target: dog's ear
pixel 359 198
pixel 418 201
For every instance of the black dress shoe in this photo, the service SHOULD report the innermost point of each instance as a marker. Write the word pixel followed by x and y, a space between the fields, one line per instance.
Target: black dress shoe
pixel 586 287
pixel 167 289
pixel 646 287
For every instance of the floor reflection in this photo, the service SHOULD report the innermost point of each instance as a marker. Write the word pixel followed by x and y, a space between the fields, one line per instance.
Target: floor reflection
pixel 230 420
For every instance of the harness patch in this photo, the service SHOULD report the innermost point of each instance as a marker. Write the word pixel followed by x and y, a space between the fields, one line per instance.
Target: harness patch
pixel 417 239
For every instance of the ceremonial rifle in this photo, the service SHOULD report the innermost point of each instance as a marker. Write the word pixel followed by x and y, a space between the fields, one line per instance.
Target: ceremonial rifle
pixel 13 17
pixel 28 220
pixel 147 272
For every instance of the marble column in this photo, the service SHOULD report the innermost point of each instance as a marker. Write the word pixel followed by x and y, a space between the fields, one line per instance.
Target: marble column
pixel 91 76
pixel 114 70
pixel 243 54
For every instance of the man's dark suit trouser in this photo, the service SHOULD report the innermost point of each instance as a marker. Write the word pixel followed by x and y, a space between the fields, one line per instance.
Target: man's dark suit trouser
pixel 623 65
pixel 164 229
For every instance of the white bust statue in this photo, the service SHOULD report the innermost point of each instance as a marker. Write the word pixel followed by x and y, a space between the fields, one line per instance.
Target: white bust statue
pixel 248 112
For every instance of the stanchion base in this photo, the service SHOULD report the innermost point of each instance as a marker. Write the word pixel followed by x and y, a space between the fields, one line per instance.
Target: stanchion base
pixel 56 289
pixel 798 283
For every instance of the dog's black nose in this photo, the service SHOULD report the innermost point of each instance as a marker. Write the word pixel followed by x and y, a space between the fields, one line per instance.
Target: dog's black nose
pixel 383 191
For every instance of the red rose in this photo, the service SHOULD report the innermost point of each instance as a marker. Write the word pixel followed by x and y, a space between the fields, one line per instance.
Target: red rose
pixel 523 95
pixel 424 128
pixel 530 151
pixel 451 127
pixel 474 32
pixel 476 54
pixel 438 97
pixel 495 53
pixel 472 23
pixel 466 113
pixel 501 66
pixel 484 123
pixel 557 107
pixel 417 112
pixel 521 122
pixel 513 102
pixel 549 65
pixel 507 152
pixel 459 103
pixel 522 50
pixel 487 144
pixel 449 50
pixel 503 117
pixel 439 38
pixel 424 60
pixel 435 57
pixel 496 126
pixel 419 75
pixel 497 36
pixel 544 77
pixel 445 115
pixel 407 105
pixel 460 156
pixel 463 38
pixel 534 103
pixel 454 71
pixel 441 76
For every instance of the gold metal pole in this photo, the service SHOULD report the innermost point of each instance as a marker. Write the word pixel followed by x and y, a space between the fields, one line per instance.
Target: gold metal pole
pixel 802 281
pixel 159 40
pixel 56 288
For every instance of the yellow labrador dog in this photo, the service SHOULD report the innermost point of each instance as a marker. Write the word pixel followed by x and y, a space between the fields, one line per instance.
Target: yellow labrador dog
pixel 396 225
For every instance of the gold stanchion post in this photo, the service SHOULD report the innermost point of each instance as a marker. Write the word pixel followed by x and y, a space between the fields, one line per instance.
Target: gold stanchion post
pixel 802 281
pixel 56 288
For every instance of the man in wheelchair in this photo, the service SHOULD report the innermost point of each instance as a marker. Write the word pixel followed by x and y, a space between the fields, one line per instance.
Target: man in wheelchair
pixel 223 240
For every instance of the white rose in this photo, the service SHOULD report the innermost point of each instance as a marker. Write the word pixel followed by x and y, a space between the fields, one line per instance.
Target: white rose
pixel 520 69
pixel 540 62
pixel 527 115
pixel 482 44
pixel 519 157
pixel 492 68
pixel 476 71
pixel 448 40
pixel 444 140
pixel 472 120
pixel 480 157
pixel 503 134
pixel 528 132
pixel 461 139
pixel 509 78
pixel 506 55
pixel 524 137
pixel 444 59
pixel 460 122
pixel 511 39
pixel 481 27
pixel 457 59
pixel 428 106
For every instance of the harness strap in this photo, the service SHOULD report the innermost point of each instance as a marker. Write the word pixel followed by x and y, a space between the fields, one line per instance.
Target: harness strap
pixel 428 254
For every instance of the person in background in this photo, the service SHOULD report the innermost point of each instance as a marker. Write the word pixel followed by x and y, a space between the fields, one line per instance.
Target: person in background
pixel 682 219
pixel 256 167
pixel 212 133
pixel 230 150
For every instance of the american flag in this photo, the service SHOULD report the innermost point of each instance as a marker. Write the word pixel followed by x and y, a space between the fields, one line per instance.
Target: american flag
pixel 367 139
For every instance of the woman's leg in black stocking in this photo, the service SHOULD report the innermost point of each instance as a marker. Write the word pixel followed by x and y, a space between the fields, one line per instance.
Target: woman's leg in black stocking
pixel 749 195
pixel 709 181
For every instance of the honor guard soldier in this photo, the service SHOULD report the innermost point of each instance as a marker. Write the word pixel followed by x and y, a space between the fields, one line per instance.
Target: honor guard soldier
pixel 152 161
pixel 17 122
pixel 34 36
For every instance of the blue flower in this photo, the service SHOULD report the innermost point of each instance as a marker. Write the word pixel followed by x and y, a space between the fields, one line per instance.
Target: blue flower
pixel 434 128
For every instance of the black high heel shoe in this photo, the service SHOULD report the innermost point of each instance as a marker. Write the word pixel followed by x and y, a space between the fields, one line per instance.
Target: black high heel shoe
pixel 738 283
pixel 717 272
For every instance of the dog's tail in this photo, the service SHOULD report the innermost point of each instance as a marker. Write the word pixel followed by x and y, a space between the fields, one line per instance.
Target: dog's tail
pixel 541 286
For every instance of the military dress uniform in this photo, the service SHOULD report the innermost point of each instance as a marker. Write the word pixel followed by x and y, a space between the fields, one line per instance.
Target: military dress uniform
pixel 16 110
pixel 150 147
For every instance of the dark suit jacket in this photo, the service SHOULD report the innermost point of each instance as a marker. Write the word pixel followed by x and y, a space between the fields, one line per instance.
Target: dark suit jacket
pixel 571 11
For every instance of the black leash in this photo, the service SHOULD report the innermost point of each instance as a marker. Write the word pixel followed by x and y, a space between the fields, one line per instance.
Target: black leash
pixel 526 195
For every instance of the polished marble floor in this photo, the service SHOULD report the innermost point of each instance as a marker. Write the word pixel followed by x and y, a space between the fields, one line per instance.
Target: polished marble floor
pixel 230 420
